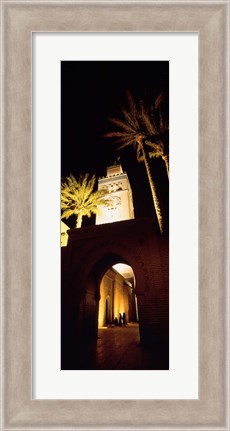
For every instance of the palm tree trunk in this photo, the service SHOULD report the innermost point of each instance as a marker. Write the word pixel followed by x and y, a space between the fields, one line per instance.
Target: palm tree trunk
pixel 79 220
pixel 152 186
pixel 166 160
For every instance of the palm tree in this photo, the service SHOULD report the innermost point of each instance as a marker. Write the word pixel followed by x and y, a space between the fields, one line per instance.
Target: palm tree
pixel 159 144
pixel 79 198
pixel 158 150
pixel 137 129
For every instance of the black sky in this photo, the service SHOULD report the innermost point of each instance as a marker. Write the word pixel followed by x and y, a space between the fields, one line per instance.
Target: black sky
pixel 91 92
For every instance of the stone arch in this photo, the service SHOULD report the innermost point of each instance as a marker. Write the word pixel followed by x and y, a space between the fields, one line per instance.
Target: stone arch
pixel 106 254
pixel 99 261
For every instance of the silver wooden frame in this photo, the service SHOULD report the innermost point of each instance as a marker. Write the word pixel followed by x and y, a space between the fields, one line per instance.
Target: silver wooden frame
pixel 19 20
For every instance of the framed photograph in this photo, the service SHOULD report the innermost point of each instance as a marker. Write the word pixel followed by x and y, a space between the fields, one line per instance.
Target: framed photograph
pixel 134 85
pixel 79 80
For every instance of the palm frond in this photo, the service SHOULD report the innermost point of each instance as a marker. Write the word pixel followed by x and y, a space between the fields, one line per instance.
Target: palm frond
pixel 115 134
pixel 133 122
pixel 67 213
pixel 148 125
pixel 122 124
pixel 132 107
pixel 126 139
pixel 125 144
pixel 79 197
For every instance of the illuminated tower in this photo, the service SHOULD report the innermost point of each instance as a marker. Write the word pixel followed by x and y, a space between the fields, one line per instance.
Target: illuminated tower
pixel 120 193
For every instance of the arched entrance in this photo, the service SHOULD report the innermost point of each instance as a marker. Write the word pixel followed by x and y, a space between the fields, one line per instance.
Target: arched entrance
pixel 107 295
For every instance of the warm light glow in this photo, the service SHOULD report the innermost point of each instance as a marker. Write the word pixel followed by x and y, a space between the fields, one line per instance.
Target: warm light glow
pixel 64 234
pixel 100 315
pixel 123 269
pixel 115 296
pixel 116 183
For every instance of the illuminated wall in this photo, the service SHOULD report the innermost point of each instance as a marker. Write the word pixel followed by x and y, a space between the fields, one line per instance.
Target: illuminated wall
pixel 106 294
pixel 117 184
pixel 116 297
pixel 64 234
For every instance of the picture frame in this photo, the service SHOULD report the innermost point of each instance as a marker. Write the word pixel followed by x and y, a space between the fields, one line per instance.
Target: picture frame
pixel 19 20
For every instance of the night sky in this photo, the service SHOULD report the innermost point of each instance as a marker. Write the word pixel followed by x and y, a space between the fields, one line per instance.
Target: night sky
pixel 91 92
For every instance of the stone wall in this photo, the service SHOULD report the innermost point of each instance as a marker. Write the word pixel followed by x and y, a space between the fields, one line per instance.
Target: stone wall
pixel 90 253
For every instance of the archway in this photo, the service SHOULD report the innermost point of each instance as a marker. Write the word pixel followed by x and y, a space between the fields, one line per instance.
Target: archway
pixel 107 295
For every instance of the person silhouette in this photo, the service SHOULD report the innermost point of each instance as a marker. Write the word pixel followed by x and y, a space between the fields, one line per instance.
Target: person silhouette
pixel 124 319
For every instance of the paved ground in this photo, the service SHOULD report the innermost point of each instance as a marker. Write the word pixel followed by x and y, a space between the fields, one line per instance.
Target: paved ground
pixel 118 348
